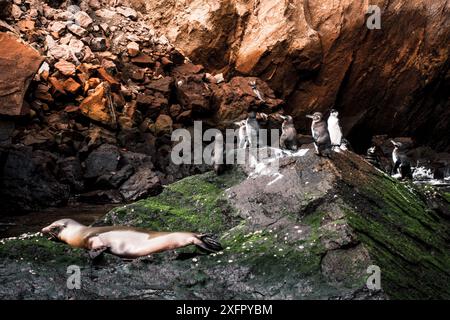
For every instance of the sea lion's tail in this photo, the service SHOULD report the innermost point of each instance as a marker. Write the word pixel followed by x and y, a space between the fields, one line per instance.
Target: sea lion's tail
pixel 209 243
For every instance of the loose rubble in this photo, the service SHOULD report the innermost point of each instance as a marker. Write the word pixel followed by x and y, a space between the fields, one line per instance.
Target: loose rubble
pixel 107 78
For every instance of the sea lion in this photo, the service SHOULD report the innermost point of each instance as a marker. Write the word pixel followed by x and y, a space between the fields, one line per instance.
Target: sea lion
pixel 125 242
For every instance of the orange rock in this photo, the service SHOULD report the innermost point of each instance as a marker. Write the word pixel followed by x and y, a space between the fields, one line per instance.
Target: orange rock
pixel 130 109
pixel 96 106
pixel 163 124
pixel 175 110
pixel 26 25
pixel 70 109
pixel 65 67
pixel 143 60
pixel 44 96
pixel 83 77
pixel 18 65
pixel 71 85
pixel 92 83
pixel 57 85
pixel 87 68
pixel 111 80
pixel 165 61
pixel 185 117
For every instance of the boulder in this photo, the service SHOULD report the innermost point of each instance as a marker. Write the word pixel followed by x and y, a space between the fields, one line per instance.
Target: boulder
pixel 18 64
pixel 71 86
pixel 98 106
pixel 193 94
pixel 312 231
pixel 66 68
pixel 29 180
pixel 77 30
pixel 142 184
pixel 163 85
pixel 101 161
pixel 83 19
pixel 233 99
pixel 6 6
pixel 133 49
pixel 6 131
pixel 101 197
pixel 163 125
pixel 127 12
pixel 114 179
pixel 70 173
pixel 98 44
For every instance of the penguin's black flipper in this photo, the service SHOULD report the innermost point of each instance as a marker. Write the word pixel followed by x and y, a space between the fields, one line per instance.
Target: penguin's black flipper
pixel 209 243
pixel 395 168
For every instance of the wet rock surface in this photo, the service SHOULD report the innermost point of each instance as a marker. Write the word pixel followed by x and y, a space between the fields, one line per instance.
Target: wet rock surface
pixel 347 216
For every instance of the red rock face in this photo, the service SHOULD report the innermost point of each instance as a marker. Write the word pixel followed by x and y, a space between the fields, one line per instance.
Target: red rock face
pixel 15 77
pixel 320 54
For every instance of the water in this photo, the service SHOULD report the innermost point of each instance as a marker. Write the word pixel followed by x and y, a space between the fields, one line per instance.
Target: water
pixel 12 225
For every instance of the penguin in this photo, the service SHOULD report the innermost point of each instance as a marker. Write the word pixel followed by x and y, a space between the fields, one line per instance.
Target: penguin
pixel 335 131
pixel 242 133
pixel 219 155
pixel 373 158
pixel 402 164
pixel 256 91
pixel 320 134
pixel 125 242
pixel 288 139
pixel 252 130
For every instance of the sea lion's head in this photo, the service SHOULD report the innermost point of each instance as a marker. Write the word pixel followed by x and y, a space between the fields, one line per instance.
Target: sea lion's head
pixel 57 230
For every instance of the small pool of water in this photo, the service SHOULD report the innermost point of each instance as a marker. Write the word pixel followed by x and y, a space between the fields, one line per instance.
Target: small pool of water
pixel 12 225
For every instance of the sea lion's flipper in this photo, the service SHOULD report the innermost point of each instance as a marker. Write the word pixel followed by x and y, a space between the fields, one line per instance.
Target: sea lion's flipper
pixel 209 243
pixel 96 253
pixel 97 247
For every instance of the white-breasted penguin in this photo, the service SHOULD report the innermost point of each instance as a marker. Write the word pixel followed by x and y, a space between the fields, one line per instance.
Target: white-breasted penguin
pixel 335 131
pixel 373 157
pixel 288 138
pixel 320 134
pixel 252 130
pixel 242 133
pixel 402 164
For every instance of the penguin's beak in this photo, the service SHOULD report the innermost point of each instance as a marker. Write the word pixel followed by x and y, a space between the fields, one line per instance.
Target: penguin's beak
pixel 309 116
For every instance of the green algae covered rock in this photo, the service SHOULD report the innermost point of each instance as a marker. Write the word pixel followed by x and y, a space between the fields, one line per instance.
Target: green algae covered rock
pixel 309 231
